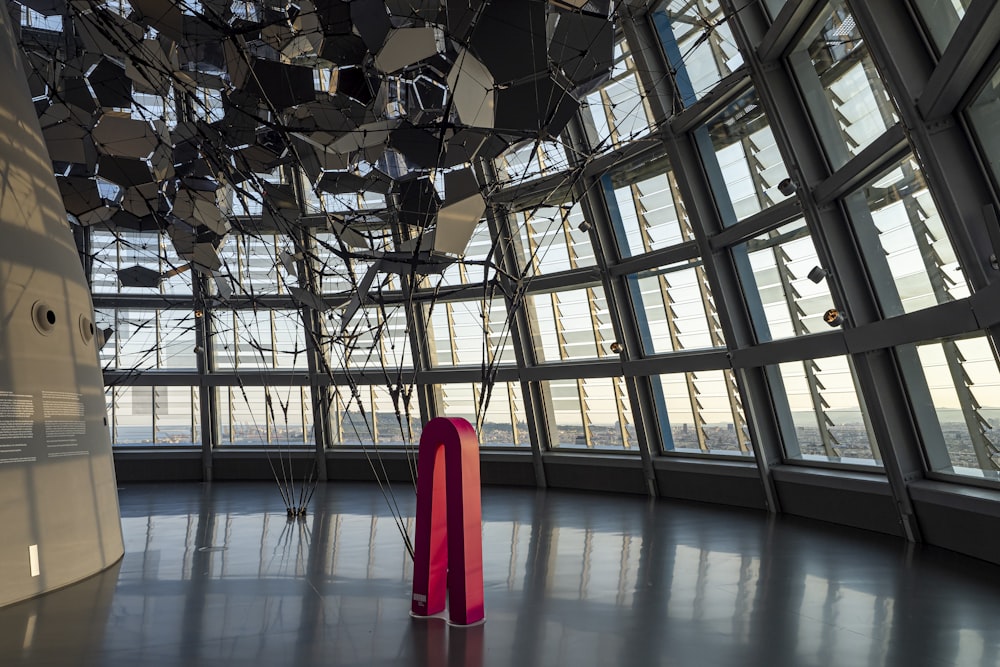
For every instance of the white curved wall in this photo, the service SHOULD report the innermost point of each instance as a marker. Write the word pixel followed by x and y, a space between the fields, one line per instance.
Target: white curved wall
pixel 57 482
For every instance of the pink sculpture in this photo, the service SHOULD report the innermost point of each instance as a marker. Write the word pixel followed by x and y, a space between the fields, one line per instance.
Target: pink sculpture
pixel 449 539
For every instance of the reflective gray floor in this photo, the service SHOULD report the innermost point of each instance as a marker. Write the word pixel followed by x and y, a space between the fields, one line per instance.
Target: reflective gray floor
pixel 217 575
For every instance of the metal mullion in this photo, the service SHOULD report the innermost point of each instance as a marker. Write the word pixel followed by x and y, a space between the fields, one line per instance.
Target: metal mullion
pixel 688 376
pixel 512 410
pixel 450 318
pixel 969 49
pixel 714 327
pixel 597 202
pixel 809 366
pixel 793 19
pixel 317 353
pixel 695 190
pixel 584 417
pixel 533 394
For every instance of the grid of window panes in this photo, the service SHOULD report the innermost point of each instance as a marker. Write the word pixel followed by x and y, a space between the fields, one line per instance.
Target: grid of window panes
pixel 477 265
pixel 337 274
pixel 531 160
pixel 376 338
pixel 255 264
pixel 259 339
pixel 468 333
pixel 374 415
pixel 497 411
pixel 941 18
pixel 141 339
pixel 905 244
pixel 122 249
pixel 265 415
pixel 674 309
pixel 570 324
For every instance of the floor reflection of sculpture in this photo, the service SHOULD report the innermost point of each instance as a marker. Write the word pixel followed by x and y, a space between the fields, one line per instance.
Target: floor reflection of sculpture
pixel 448 542
pixel 436 645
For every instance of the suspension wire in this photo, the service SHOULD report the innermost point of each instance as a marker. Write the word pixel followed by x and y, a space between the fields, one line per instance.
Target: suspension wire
pixel 489 366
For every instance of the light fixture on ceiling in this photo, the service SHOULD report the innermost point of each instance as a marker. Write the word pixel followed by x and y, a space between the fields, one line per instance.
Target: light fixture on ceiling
pixel 787 187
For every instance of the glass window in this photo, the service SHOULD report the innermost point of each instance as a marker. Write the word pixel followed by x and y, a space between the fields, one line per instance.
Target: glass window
pixel 502 422
pixel 253 265
pixel 367 415
pixel 963 381
pixel 531 160
pixel 906 246
pixel 703 412
pixel 123 249
pixel 747 158
pixel 942 18
pixel 265 416
pixel 984 115
pixel 569 325
pixel 829 420
pixel 551 240
pixel 154 416
pixel 675 310
pixel 145 339
pixel 589 413
pixel 619 108
pixel 377 337
pixel 259 339
pixel 844 91
pixel 458 334
pixel 699 45
pixel 774 269
pixel 648 214
pixel 774 7
pixel 39 21
pixel 335 272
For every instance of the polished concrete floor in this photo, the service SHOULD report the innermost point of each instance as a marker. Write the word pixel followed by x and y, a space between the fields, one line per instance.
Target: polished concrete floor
pixel 218 575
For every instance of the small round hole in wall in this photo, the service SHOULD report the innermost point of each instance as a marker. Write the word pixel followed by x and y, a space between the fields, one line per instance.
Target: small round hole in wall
pixel 86 329
pixel 43 317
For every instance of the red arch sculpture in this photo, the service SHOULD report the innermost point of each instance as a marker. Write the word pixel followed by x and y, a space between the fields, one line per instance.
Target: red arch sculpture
pixel 448 545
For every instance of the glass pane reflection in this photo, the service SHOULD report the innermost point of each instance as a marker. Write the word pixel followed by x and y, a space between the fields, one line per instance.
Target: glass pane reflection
pixel 910 255
pixel 828 413
pixel 963 379
pixel 850 106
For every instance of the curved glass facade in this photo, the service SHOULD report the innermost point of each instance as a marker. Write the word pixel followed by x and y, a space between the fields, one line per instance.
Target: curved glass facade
pixel 769 239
